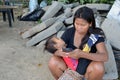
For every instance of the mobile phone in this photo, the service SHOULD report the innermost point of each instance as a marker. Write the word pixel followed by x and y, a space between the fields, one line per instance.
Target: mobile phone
pixel 67 49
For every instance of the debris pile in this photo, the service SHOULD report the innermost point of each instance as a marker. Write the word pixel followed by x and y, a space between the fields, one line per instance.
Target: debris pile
pixel 57 18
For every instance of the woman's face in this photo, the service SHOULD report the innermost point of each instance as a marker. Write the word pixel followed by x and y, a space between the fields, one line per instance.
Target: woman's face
pixel 81 25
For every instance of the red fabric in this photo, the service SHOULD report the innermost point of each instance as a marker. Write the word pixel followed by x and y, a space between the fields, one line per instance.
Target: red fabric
pixel 71 63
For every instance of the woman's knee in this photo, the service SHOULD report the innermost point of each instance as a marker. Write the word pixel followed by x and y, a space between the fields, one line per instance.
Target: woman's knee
pixel 97 67
pixel 95 71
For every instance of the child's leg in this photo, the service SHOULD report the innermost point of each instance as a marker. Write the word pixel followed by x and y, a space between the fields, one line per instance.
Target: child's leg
pixel 57 66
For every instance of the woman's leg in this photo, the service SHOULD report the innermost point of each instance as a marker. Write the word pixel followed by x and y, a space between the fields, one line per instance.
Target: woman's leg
pixel 57 66
pixel 95 71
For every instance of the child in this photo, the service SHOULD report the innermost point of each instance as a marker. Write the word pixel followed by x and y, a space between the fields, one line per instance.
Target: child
pixel 53 44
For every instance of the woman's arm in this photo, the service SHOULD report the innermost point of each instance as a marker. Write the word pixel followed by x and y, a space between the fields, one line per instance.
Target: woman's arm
pixel 100 55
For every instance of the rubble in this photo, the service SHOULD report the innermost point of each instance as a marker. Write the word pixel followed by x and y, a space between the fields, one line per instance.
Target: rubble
pixel 49 19
pixel 52 24
pixel 52 10
pixel 69 20
pixel 99 7
pixel 44 34
pixel 38 28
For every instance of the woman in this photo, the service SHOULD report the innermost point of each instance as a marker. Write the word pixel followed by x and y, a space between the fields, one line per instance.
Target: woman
pixel 76 37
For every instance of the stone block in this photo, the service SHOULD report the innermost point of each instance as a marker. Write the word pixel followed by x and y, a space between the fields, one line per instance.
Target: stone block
pixel 61 17
pixel 76 8
pixel 59 34
pixel 110 66
pixel 45 34
pixel 52 10
pixel 111 28
pixel 68 12
pixel 114 12
pixel 72 5
pixel 102 7
pixel 69 20
pixel 45 24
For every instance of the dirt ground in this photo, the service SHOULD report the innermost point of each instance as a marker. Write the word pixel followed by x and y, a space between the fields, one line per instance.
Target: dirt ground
pixel 18 61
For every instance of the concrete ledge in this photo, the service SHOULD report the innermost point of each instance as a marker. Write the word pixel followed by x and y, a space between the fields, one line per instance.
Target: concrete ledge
pixel 110 65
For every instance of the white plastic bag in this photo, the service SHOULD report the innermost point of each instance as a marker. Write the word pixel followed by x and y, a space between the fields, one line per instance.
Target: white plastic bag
pixel 33 5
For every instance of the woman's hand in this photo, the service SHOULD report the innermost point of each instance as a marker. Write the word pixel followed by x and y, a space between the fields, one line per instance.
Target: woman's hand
pixel 74 54
pixel 60 53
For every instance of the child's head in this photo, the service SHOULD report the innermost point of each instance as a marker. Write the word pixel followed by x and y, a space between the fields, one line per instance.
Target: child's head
pixel 53 44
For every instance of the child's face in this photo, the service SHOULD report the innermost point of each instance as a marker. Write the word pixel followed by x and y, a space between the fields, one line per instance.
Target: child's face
pixel 59 43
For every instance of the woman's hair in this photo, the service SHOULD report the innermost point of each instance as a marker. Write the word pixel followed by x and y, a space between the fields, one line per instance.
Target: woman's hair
pixel 49 45
pixel 88 15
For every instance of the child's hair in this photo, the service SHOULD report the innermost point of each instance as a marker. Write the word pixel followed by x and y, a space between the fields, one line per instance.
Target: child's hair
pixel 49 45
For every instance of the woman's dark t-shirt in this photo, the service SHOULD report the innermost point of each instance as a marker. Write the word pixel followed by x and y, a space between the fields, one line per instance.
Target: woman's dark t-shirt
pixel 68 38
